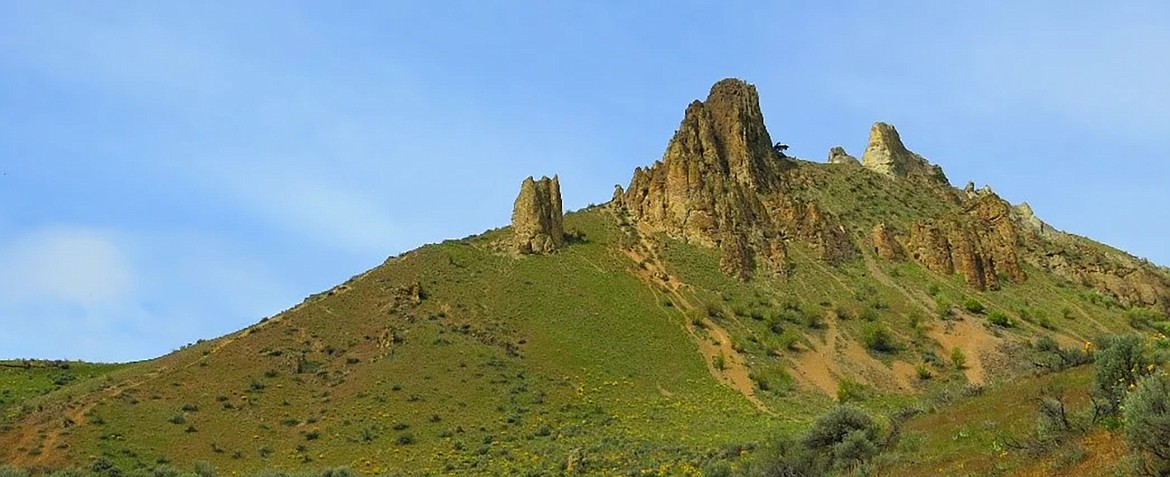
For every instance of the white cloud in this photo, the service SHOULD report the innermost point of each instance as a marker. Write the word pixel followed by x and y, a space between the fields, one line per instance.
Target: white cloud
pixel 308 203
pixel 76 266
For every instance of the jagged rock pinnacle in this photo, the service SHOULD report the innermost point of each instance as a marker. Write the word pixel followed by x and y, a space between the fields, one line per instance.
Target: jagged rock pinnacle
pixel 719 185
pixel 537 219
pixel 886 154
pixel 706 187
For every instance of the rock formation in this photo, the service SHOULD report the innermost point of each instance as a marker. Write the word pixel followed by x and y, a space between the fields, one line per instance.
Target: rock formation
pixel 706 189
pixel 980 242
pixel 837 155
pixel 537 219
pixel 719 185
pixel 886 154
pixel 886 245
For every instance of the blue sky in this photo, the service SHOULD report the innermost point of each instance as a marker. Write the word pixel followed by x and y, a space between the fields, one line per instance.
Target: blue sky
pixel 171 171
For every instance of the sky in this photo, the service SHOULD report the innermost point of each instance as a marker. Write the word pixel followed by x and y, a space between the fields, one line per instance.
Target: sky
pixel 174 171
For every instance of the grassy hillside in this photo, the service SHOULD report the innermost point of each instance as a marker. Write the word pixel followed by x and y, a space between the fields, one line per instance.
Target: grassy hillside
pixel 622 353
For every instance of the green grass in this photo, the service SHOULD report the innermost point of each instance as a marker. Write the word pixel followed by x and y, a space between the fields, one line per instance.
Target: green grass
pixel 23 380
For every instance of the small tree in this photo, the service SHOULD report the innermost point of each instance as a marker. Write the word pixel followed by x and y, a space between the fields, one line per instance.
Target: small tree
pixel 1147 424
pixel 780 148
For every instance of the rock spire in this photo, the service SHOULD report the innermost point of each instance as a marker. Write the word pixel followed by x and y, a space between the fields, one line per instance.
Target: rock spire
pixel 537 219
pixel 886 154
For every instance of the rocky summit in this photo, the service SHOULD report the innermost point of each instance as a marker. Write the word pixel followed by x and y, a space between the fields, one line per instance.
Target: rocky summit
pixel 537 219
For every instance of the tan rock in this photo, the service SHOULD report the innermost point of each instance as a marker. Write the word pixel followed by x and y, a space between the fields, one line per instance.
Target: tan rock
pixel 885 245
pixel 980 243
pixel 537 219
pixel 837 155
pixel 719 184
pixel 886 155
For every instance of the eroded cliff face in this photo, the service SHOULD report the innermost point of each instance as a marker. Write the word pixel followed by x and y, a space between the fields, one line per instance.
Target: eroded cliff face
pixel 719 184
pixel 980 242
pixel 537 218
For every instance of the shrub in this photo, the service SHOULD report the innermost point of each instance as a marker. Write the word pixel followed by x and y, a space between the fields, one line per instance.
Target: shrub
pixel 923 372
pixel 878 338
pixel 870 314
pixel 789 457
pixel 717 469
pixel 205 469
pixel 974 306
pixel 831 428
pixel 1045 343
pixel 1000 319
pixel 1143 319
pixel 790 340
pixel 339 472
pixel 9 471
pixel 849 390
pixel 1147 424
pixel 697 321
pixel 1121 362
pixel 404 439
pixel 943 306
pixel 177 419
pixel 720 363
pixel 958 359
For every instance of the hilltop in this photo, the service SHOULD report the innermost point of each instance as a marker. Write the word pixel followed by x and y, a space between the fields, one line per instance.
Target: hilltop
pixel 728 292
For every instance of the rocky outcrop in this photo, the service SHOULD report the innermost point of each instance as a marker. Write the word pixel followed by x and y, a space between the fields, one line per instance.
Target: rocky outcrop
pixel 837 155
pixel 806 220
pixel 886 245
pixel 885 154
pixel 980 243
pixel 719 185
pixel 707 187
pixel 537 219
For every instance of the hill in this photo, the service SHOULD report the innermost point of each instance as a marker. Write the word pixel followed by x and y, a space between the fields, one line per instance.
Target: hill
pixel 727 294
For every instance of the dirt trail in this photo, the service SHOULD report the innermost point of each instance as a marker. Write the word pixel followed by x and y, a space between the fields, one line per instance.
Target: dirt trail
pixel 715 345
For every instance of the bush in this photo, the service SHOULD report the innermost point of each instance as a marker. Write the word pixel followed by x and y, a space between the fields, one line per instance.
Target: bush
pixel 789 457
pixel 958 359
pixel 1121 362
pixel 923 372
pixel 1143 319
pixel 205 469
pixel 943 307
pixel 834 426
pixel 9 471
pixel 878 338
pixel 339 472
pixel 849 390
pixel 1147 424
pixel 1000 319
pixel 974 306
